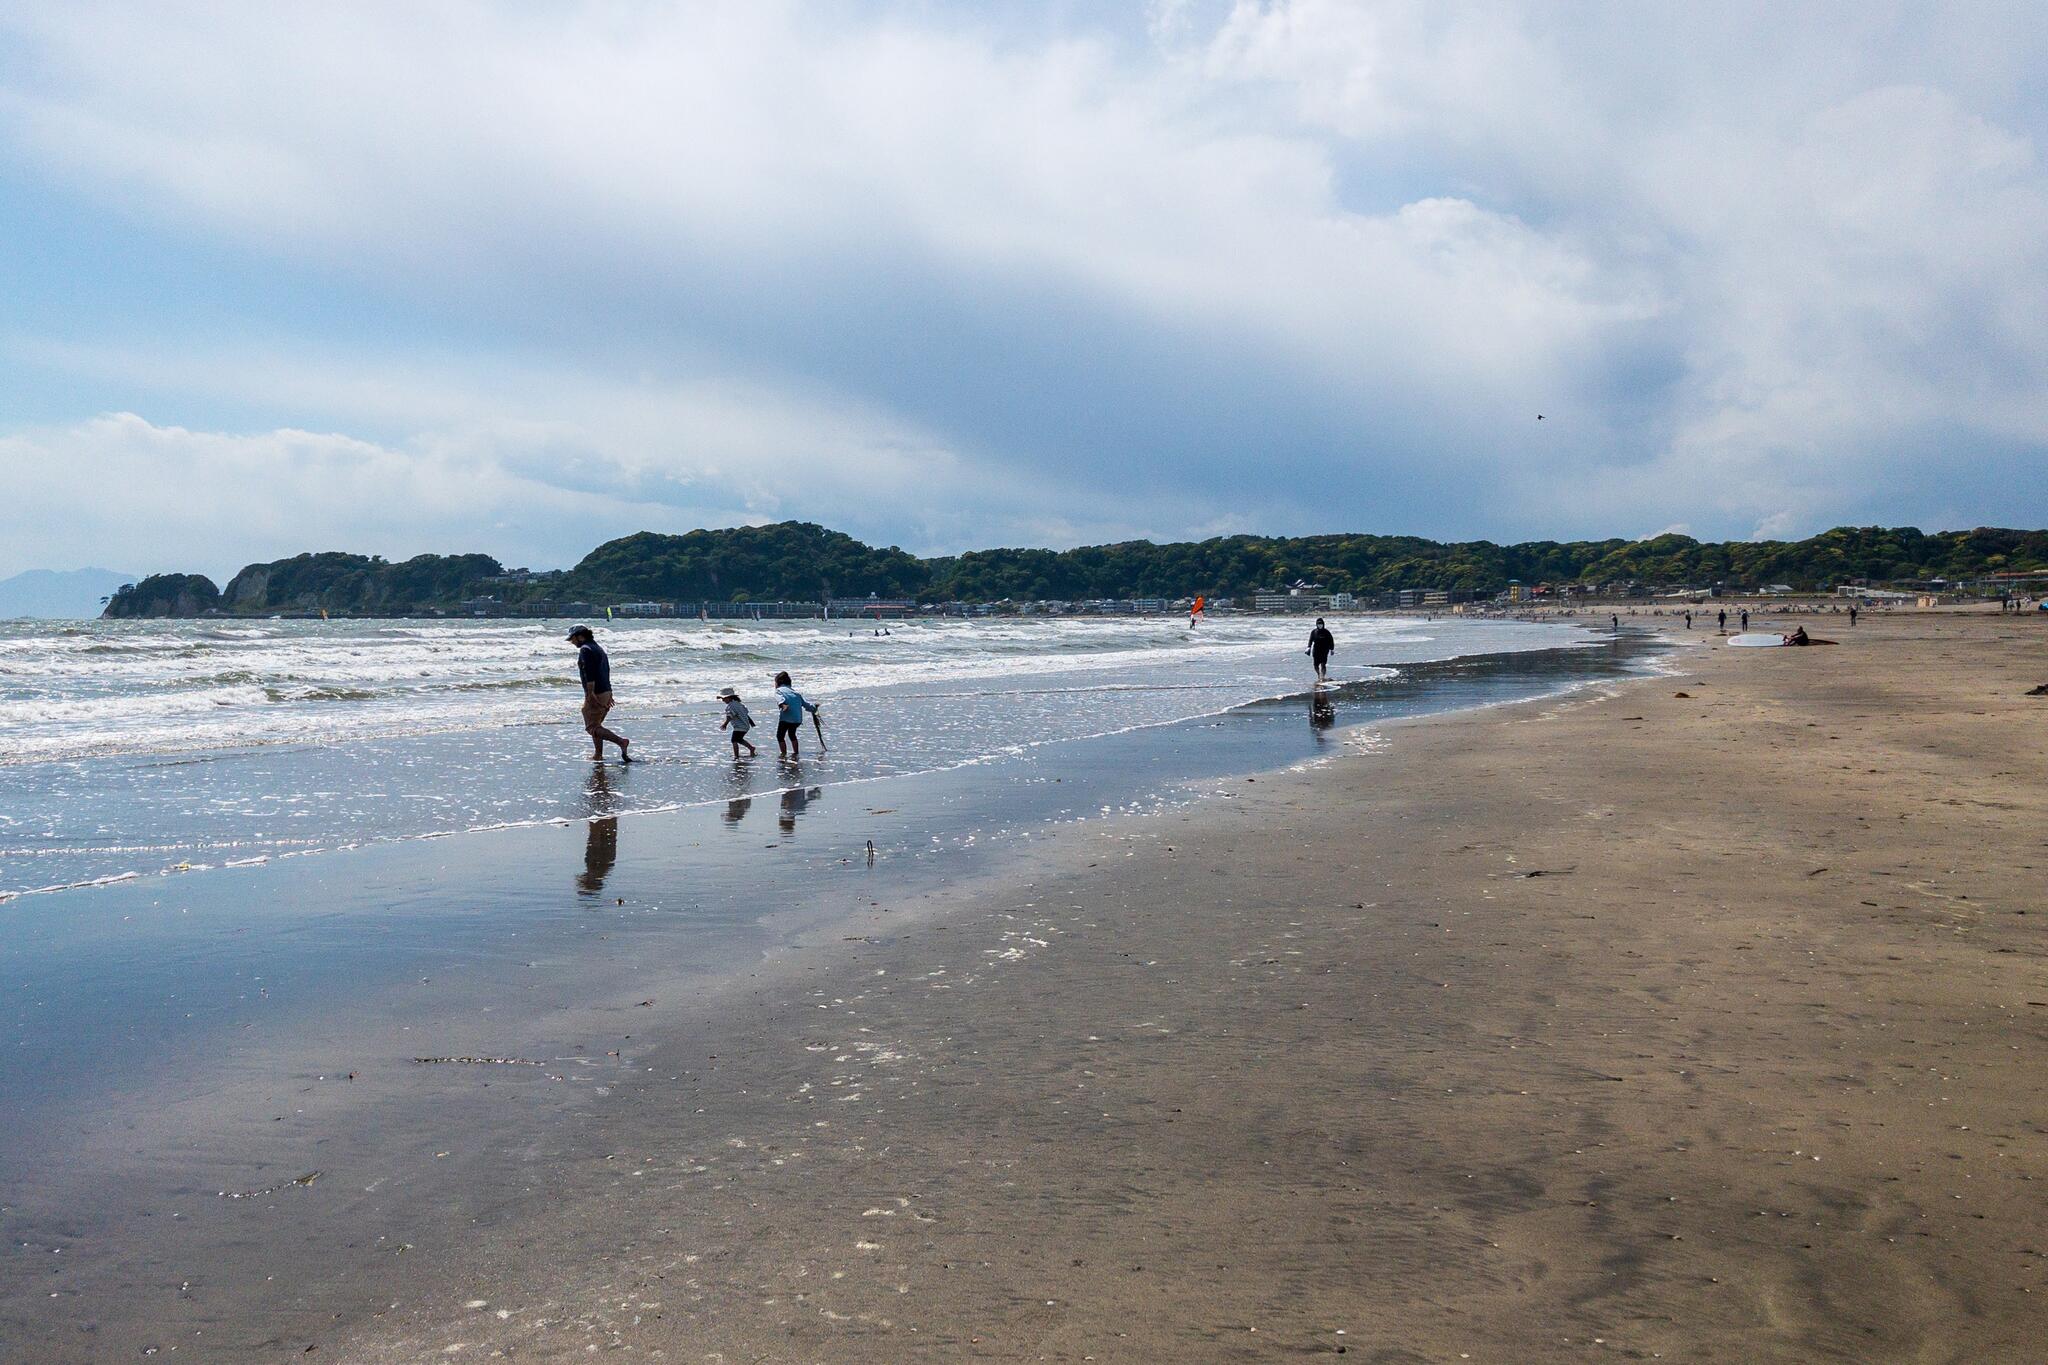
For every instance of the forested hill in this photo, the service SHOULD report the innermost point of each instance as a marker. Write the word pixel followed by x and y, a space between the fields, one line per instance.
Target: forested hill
pixel 797 561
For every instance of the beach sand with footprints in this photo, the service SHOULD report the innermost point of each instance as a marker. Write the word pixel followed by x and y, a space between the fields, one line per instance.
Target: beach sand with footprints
pixel 1699 1018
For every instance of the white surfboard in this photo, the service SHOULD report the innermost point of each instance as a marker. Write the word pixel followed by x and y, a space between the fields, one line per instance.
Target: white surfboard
pixel 1756 640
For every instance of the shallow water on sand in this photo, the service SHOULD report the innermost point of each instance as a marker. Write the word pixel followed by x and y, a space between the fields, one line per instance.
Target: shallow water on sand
pixel 144 748
pixel 186 1049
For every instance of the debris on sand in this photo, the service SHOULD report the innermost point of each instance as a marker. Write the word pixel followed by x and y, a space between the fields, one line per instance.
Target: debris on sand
pixel 474 1061
pixel 306 1179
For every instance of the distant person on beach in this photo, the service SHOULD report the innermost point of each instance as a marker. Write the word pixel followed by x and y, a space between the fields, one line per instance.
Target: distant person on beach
pixel 1615 621
pixel 1723 620
pixel 594 667
pixel 1688 620
pixel 1798 636
pixel 1321 644
pixel 1745 619
pixel 790 723
pixel 1852 616
pixel 739 720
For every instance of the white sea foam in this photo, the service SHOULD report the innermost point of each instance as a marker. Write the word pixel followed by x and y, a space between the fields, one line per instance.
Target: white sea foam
pixel 149 746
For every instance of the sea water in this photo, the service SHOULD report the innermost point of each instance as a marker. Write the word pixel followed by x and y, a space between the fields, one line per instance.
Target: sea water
pixel 303 856
pixel 146 748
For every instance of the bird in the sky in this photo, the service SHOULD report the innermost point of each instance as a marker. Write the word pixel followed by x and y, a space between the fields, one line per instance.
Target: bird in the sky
pixel 1539 416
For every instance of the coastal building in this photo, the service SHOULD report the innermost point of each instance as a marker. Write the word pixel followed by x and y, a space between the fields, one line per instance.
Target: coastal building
pixel 871 605
pixel 644 609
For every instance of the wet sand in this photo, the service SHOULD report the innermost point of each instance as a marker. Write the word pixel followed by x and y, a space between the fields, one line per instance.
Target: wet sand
pixel 1702 1026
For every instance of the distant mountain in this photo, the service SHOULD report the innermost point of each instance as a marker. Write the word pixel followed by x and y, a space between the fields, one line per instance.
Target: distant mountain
pixel 167 594
pixel 797 561
pixel 75 593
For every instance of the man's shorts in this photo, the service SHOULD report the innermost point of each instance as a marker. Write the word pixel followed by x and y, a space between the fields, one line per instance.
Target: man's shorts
pixel 594 709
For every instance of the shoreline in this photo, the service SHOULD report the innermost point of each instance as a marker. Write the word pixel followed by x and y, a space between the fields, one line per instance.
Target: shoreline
pixel 1570 1026
pixel 1521 1017
pixel 166 1173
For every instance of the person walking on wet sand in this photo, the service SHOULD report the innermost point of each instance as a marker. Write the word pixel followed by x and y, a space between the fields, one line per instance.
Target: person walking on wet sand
pixel 1852 615
pixel 1724 621
pixel 739 719
pixel 790 723
pixel 1320 646
pixel 594 667
pixel 1745 620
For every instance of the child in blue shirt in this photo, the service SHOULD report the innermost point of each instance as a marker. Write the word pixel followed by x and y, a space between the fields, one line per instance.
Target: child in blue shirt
pixel 790 723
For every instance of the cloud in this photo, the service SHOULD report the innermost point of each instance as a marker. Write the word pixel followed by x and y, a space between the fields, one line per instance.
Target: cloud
pixel 534 466
pixel 1293 264
pixel 167 497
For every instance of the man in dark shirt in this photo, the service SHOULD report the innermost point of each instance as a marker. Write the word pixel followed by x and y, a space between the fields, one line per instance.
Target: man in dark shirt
pixel 594 667
pixel 1320 643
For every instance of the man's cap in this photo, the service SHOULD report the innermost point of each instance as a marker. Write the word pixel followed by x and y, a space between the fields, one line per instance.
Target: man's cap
pixel 575 631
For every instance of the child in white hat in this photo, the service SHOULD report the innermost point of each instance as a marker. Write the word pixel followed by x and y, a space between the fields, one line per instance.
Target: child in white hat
pixel 737 718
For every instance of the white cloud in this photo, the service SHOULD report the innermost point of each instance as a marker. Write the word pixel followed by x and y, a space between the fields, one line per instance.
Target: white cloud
pixel 1312 261
pixel 529 465
pixel 168 497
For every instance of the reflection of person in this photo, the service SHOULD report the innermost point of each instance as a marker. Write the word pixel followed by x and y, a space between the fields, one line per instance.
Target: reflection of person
pixel 793 802
pixel 1321 644
pixel 594 668
pixel 1322 712
pixel 600 851
pixel 740 719
pixel 789 724
pixel 736 809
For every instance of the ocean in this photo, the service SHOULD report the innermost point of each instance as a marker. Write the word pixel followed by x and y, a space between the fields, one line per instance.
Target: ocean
pixel 136 749
pixel 258 874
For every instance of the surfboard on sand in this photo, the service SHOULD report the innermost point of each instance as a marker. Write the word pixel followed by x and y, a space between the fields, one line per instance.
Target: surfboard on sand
pixel 1755 640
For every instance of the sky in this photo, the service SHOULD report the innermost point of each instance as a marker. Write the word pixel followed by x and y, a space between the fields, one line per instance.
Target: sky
pixel 520 277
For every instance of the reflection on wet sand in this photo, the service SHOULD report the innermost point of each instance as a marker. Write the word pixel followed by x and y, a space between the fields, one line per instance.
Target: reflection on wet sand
pixel 601 848
pixel 793 803
pixel 600 851
pixel 1322 711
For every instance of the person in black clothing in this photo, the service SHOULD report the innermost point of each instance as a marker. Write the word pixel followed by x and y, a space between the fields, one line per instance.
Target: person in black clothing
pixel 1723 621
pixel 1320 645
pixel 1745 619
pixel 594 667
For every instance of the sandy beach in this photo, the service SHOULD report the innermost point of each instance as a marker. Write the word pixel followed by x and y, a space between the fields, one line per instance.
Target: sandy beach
pixel 1698 1018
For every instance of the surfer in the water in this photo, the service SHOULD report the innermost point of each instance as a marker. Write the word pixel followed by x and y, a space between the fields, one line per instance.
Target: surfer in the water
pixel 1320 646
pixel 594 667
